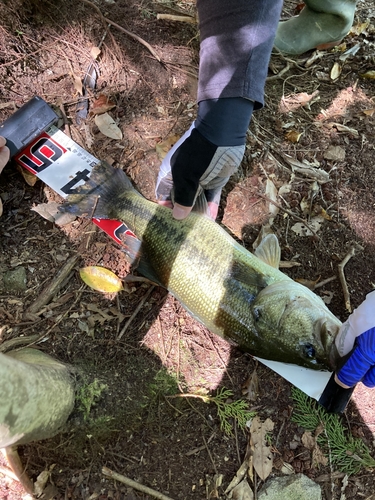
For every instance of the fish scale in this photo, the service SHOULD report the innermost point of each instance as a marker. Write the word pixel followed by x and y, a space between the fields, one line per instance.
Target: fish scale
pixel 231 291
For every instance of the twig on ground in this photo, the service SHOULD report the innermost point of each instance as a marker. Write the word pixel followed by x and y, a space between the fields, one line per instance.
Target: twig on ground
pixel 174 408
pixel 291 214
pixel 52 288
pixel 131 278
pixel 324 282
pixel 138 308
pixel 344 284
pixel 279 74
pixel 190 404
pixel 288 60
pixel 8 472
pixel 65 119
pixel 14 461
pixel 172 17
pixel 210 455
pixel 237 446
pixel 223 363
pixel 134 484
pixel 194 451
pixel 14 61
pixel 160 328
pixel 7 345
pixel 79 294
pixel 132 35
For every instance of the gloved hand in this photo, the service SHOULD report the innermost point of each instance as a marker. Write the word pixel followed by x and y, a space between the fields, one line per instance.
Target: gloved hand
pixel 4 153
pixel 199 165
pixel 356 340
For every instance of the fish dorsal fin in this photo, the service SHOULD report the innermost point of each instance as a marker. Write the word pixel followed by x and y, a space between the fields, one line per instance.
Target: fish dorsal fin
pixel 248 276
pixel 269 251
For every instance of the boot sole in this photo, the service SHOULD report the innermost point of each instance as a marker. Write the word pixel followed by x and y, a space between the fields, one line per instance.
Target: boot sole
pixel 329 45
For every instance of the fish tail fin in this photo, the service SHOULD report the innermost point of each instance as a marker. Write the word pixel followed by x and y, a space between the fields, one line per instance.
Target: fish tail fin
pixel 97 197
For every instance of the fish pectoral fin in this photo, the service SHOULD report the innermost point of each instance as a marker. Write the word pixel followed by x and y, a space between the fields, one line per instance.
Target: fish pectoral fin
pixel 244 274
pixel 146 269
pixel 269 251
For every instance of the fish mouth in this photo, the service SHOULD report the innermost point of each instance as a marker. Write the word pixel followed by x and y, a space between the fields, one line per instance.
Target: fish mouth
pixel 305 327
pixel 334 357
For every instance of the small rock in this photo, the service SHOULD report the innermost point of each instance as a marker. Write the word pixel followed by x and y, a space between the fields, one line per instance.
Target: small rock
pixel 14 280
pixel 295 487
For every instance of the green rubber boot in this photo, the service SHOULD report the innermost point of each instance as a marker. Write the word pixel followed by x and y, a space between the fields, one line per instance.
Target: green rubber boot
pixel 321 24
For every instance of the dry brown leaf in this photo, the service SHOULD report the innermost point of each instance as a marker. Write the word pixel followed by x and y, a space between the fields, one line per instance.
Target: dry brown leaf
pixel 287 264
pixel 94 52
pixel 29 178
pixel 9 104
pixel 324 214
pixel 344 128
pixel 293 135
pixel 41 482
pixel 319 429
pixel 262 455
pixel 339 126
pixel 250 388
pixel 369 112
pixel 308 169
pixel 318 457
pixel 240 474
pixel 302 229
pixel 271 193
pixel 295 101
pixel 316 55
pixel 107 126
pixel 50 211
pixel 305 205
pixel 369 75
pixel 77 84
pixel 101 105
pixel 335 153
pixel 162 148
pixel 308 440
pixel 335 71
pixel 311 284
pixel 47 210
pixel 287 469
pixel 359 28
pixel 242 491
pixel 212 485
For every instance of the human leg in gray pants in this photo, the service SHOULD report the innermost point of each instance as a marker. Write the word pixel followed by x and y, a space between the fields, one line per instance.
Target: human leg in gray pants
pixel 236 39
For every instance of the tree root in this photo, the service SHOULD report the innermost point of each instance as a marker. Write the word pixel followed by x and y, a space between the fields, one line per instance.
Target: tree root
pixel 132 35
pixel 50 290
pixel 350 254
pixel 14 461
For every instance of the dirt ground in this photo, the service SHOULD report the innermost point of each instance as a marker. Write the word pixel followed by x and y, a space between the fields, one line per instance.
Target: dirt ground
pixel 320 110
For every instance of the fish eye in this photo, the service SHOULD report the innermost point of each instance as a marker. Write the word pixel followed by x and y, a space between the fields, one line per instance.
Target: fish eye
pixel 309 351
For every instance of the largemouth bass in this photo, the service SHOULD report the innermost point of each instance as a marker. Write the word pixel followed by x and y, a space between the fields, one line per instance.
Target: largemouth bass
pixel 238 295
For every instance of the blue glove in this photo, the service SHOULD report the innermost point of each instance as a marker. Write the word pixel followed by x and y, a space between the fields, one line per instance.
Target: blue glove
pixel 360 365
pixel 356 340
